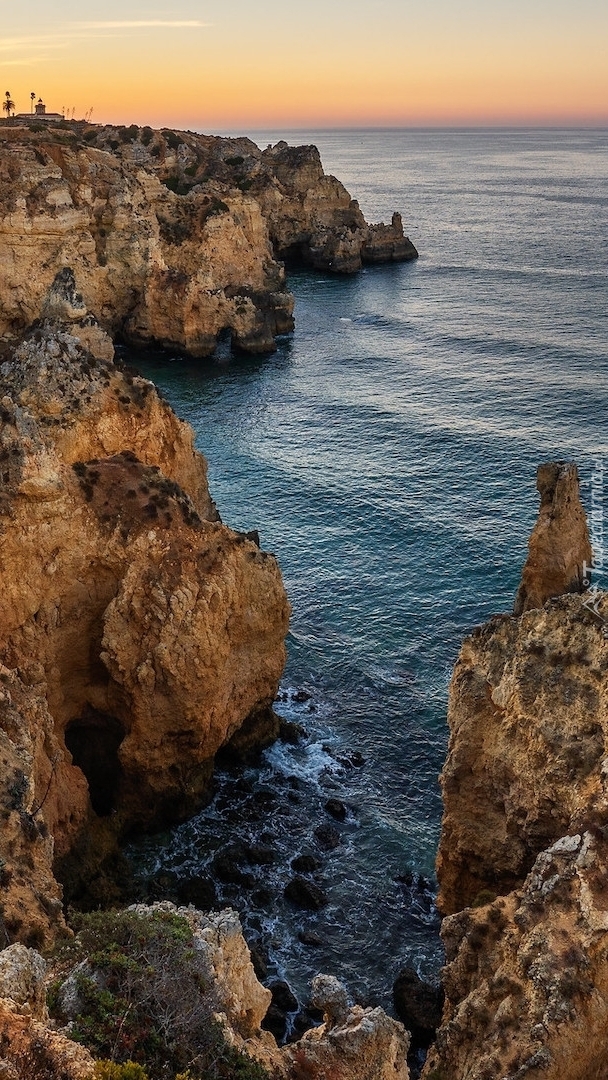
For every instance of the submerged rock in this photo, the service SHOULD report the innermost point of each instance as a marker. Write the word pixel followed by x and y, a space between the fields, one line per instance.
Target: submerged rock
pixel 336 809
pixel 327 837
pixel 305 893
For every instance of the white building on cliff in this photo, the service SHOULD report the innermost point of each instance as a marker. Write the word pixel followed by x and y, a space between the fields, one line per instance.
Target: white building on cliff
pixel 40 114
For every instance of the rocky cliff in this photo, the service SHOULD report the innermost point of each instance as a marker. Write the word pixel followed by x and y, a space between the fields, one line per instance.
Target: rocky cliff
pixel 522 860
pixel 199 998
pixel 137 633
pixel 173 237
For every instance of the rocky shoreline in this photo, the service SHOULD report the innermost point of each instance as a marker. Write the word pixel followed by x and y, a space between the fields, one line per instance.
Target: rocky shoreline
pixel 175 239
pixel 140 636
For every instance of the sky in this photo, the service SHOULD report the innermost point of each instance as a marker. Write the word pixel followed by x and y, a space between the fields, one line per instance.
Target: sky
pixel 236 65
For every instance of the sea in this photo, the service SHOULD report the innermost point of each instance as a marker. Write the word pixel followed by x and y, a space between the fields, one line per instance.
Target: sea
pixel 387 454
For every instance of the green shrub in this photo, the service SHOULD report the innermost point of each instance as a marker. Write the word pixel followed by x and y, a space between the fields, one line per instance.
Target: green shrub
pixel 486 896
pixel 237 159
pixel 146 1000
pixel 171 139
pixel 109 1070
pixel 146 135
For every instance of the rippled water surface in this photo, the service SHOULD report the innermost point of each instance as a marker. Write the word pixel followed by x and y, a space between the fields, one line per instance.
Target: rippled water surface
pixel 387 454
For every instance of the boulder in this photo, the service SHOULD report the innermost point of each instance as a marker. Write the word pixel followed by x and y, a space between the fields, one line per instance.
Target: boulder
pixel 305 893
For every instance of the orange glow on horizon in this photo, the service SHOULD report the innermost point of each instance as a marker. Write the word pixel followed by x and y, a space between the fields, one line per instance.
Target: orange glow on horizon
pixel 213 76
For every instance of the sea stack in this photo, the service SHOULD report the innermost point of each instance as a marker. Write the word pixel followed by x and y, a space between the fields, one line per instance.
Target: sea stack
pixel 175 239
pixel 559 550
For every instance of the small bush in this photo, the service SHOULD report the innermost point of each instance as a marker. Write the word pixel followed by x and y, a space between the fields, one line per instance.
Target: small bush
pixel 171 139
pixel 147 1001
pixel 146 135
pixel 486 896
pixel 129 134
pixel 109 1070
pixel 217 207
pixel 237 159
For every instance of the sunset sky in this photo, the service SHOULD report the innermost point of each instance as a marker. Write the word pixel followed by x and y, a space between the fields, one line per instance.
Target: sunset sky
pixel 229 64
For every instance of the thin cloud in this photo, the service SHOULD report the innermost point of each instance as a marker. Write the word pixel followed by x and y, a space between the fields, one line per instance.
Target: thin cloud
pixel 81 31
pixel 14 44
pixel 26 62
pixel 143 24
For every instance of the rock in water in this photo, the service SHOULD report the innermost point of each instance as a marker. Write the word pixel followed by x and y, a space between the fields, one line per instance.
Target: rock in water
pixel 559 549
pixel 305 893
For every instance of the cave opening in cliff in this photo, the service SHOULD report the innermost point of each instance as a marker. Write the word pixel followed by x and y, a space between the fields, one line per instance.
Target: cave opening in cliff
pixel 93 741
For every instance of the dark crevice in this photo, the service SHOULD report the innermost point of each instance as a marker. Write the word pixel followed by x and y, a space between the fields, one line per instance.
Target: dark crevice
pixel 93 741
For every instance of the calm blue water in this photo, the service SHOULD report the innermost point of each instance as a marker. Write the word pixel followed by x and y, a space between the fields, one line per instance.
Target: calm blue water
pixel 387 454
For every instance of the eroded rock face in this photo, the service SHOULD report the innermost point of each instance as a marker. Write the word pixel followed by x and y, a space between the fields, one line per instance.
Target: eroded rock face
pixel 22 974
pixel 33 1051
pixel 173 237
pixel 351 1044
pixel 526 979
pixel 559 551
pixel 240 999
pixel 152 265
pixel 314 221
pixel 525 790
pixel 137 633
pixel 526 761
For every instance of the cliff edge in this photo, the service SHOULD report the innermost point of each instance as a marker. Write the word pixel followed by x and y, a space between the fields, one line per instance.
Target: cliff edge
pixel 522 858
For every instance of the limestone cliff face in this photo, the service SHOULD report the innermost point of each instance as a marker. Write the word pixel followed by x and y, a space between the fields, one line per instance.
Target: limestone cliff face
pixel 525 790
pixel 526 977
pixel 151 264
pixel 529 722
pixel 173 237
pixel 313 220
pixel 137 633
